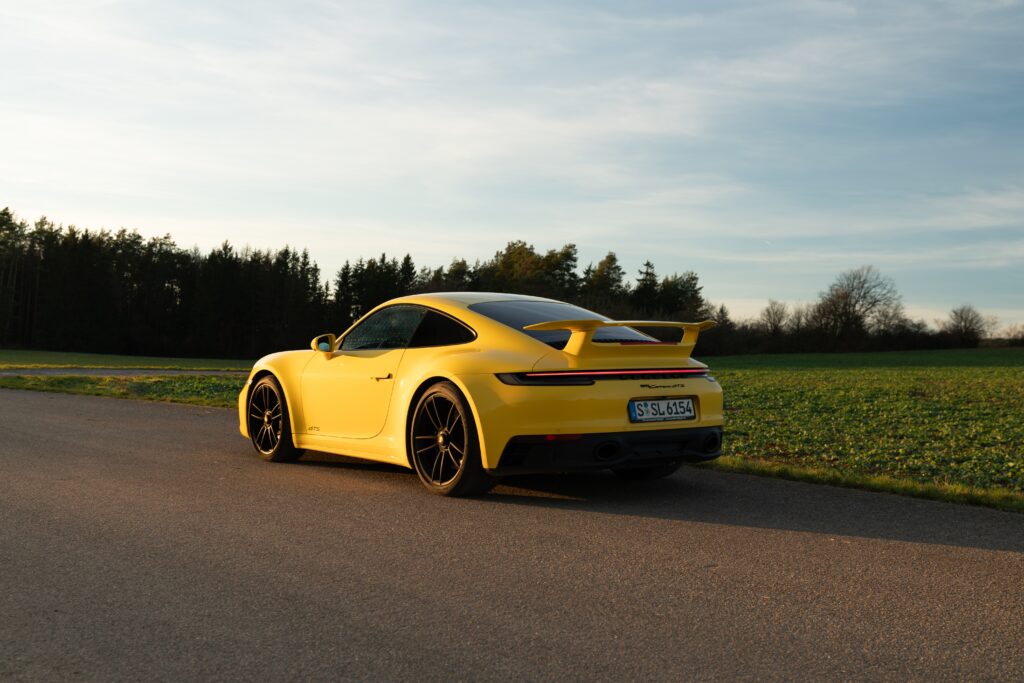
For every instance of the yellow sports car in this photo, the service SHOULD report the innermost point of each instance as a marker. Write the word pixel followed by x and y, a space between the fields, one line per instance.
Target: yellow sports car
pixel 464 387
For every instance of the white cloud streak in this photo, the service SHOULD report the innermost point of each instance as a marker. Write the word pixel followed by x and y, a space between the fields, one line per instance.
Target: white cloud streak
pixel 356 127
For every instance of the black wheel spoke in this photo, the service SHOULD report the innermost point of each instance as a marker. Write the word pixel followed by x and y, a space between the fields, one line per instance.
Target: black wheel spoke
pixel 458 426
pixel 266 418
pixel 455 462
pixel 431 410
pixel 437 469
pixel 438 439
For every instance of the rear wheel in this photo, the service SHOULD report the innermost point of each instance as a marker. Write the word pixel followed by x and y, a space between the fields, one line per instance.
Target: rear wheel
pixel 651 472
pixel 269 427
pixel 443 444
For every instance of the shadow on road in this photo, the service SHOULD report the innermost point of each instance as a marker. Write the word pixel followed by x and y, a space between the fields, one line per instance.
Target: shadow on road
pixel 699 495
pixel 330 461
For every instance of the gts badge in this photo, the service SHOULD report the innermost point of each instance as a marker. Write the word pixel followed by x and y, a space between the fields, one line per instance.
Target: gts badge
pixel 680 385
pixel 313 428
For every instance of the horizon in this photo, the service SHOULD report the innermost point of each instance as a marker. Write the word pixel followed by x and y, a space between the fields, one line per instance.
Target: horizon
pixel 753 306
pixel 767 149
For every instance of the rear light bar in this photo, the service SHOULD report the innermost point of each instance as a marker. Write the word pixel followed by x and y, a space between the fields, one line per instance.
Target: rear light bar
pixel 587 377
pixel 611 373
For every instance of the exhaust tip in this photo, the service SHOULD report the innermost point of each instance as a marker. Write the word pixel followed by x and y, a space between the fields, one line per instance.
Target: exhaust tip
pixel 607 450
pixel 712 442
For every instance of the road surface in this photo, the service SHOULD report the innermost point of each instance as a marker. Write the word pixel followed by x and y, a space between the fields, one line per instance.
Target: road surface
pixel 146 541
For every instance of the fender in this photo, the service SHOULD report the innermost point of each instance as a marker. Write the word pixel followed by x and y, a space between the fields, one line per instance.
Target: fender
pixel 286 367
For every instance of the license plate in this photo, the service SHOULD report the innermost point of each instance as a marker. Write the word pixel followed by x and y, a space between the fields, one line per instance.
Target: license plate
pixel 661 410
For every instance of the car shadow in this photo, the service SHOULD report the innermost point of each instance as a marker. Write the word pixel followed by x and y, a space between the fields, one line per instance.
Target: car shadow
pixel 702 495
pixel 697 494
pixel 331 461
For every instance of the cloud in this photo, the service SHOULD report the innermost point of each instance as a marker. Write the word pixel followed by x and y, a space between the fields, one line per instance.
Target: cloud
pixel 838 131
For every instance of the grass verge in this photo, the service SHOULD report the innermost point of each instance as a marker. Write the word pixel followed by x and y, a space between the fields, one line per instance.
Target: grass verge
pixel 957 426
pixel 1000 498
pixel 12 359
pixel 203 390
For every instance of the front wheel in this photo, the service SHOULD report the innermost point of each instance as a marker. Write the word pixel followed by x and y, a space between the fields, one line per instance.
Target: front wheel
pixel 269 428
pixel 443 444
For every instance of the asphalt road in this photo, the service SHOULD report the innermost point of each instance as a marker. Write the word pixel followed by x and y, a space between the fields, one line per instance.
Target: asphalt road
pixel 147 541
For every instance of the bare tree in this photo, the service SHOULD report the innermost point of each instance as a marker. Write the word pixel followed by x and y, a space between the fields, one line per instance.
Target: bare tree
pixel 774 317
pixel 800 318
pixel 854 301
pixel 965 323
pixel 889 319
pixel 1015 334
pixel 991 325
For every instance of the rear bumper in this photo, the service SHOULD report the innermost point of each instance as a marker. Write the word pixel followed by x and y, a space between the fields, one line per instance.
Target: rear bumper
pixel 505 412
pixel 532 454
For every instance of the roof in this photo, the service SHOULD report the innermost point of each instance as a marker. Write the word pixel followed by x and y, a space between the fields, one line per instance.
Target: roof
pixel 469 298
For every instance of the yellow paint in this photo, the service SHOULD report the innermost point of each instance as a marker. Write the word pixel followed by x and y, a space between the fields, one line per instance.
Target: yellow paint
pixel 344 402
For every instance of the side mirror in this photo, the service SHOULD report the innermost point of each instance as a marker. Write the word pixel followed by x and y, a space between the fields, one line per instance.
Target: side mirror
pixel 324 343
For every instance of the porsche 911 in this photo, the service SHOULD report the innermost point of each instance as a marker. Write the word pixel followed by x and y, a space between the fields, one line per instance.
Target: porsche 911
pixel 467 387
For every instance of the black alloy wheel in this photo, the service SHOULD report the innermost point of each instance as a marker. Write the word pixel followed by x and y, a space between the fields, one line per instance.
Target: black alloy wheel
pixel 443 444
pixel 269 428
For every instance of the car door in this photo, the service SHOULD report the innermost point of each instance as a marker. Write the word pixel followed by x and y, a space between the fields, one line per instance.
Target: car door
pixel 347 393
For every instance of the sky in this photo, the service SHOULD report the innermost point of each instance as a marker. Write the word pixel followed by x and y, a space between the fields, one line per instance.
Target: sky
pixel 765 145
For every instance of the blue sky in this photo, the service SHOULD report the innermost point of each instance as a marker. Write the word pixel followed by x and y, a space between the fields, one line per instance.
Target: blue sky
pixel 767 146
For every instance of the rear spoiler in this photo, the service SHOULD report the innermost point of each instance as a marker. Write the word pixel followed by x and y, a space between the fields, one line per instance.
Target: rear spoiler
pixel 582 334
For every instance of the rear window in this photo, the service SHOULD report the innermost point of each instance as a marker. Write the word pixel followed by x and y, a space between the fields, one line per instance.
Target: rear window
pixel 518 314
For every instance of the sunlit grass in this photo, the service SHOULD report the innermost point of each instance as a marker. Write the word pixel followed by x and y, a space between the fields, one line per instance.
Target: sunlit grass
pixel 949 426
pixel 16 359
pixel 204 390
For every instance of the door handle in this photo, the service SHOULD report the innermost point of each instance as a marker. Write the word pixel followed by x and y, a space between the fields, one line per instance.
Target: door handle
pixel 381 379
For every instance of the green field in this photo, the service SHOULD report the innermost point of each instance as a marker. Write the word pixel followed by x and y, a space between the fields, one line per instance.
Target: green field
pixel 1007 357
pixel 954 426
pixel 204 390
pixel 943 424
pixel 15 359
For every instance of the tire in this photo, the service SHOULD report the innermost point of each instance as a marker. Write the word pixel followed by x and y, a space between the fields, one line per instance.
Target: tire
pixel 648 473
pixel 269 428
pixel 443 445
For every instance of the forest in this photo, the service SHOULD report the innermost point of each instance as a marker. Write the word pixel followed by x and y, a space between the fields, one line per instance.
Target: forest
pixel 64 288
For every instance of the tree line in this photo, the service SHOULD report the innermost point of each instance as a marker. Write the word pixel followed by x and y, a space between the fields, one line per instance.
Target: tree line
pixel 62 288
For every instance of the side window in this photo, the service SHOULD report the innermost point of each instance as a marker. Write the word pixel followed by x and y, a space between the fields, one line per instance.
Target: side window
pixel 388 328
pixel 440 330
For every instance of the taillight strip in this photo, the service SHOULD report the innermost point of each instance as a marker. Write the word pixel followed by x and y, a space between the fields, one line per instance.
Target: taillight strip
pixel 605 373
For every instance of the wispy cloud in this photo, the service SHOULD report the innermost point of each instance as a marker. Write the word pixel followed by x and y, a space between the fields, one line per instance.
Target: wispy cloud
pixel 697 132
